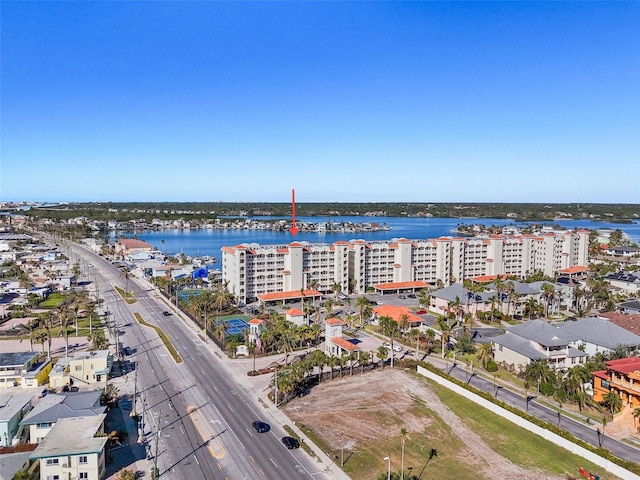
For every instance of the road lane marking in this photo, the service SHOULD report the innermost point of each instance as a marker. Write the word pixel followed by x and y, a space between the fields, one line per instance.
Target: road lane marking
pixel 276 465
pixel 206 432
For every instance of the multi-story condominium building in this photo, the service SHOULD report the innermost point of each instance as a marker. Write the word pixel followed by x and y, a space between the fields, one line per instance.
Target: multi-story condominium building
pixel 252 270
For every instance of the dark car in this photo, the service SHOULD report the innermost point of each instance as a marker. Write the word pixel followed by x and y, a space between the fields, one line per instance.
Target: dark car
pixel 261 427
pixel 290 443
pixel 166 313
pixel 411 295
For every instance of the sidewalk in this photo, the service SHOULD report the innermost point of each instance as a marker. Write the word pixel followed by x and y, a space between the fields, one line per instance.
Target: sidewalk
pixel 131 455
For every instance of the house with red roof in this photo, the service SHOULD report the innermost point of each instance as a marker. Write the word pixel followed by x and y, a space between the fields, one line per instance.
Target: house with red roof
pixel 127 246
pixel 621 377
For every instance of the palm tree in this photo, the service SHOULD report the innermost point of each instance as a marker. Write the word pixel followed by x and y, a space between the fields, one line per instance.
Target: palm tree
pixel 389 328
pixel 363 304
pixel 538 371
pixel 404 433
pixel 613 402
pixel 415 334
pixel 485 353
pixel 424 299
pixel 29 331
pixel 548 292
pixel 636 416
pixel 382 353
pixel 365 359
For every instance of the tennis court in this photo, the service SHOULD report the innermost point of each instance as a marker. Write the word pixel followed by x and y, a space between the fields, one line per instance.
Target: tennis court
pixel 235 326
pixel 184 295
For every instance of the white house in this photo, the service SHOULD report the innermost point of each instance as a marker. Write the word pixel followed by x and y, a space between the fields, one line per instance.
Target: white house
pixel 72 449
pixel 563 345
pixel 296 316
pixel 627 282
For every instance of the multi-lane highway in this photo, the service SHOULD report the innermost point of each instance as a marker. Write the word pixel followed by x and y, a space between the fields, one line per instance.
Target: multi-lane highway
pixel 203 415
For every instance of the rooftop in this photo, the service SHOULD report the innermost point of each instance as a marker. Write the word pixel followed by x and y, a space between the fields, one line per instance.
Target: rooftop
pixel 12 401
pixel 72 436
pixel 16 359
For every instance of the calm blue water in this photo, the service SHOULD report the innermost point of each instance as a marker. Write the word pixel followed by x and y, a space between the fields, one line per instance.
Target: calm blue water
pixel 209 242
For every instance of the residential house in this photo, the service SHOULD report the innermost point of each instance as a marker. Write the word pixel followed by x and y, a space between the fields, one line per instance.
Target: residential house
pixel 630 306
pixel 621 377
pixel 12 463
pixel 563 344
pixel 23 369
pixel 627 282
pixel 48 410
pixel 622 252
pixel 74 448
pixel 442 300
pixel 86 367
pixel 14 405
pixel 127 246
pixel 630 322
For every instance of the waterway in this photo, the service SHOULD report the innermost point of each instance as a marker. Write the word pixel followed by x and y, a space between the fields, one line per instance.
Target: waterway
pixel 209 242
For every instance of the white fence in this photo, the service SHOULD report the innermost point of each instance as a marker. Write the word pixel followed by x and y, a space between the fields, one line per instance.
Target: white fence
pixel 607 465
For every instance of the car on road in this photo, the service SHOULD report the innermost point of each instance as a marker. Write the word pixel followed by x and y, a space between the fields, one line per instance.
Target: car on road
pixel 402 296
pixel 421 312
pixel 378 302
pixel 411 295
pixel 396 347
pixel 166 313
pixel 261 427
pixel 290 442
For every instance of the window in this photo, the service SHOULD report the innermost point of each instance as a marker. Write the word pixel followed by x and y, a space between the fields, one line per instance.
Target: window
pixel 78 368
pixel 82 459
pixel 52 461
pixel 53 477
pixel 83 475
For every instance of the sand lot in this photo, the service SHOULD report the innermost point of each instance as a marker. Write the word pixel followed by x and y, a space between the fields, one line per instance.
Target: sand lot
pixel 370 409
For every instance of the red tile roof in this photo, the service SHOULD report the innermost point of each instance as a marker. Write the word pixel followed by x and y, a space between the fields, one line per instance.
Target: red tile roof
pixel 129 243
pixel 576 269
pixel 293 312
pixel 256 321
pixel 489 278
pixel 333 321
pixel 396 312
pixel 630 323
pixel 269 297
pixel 345 344
pixel 397 285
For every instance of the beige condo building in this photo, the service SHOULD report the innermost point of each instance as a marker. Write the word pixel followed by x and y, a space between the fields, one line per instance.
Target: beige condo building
pixel 252 270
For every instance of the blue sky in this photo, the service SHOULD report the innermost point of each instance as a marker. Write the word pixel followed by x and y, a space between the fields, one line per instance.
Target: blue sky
pixel 343 101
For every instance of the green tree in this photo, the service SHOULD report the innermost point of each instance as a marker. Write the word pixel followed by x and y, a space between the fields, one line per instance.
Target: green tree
pixel 126 475
pixel 613 402
pixel 389 328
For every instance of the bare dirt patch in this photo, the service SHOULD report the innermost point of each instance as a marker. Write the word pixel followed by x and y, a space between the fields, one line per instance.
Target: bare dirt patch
pixel 365 410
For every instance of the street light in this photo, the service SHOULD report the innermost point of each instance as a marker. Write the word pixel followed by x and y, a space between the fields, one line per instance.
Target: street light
pixel 388 459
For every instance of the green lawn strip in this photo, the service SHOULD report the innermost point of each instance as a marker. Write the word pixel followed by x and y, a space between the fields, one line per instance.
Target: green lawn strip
pixel 303 445
pixel 54 300
pixel 366 461
pixel 163 337
pixel 126 296
pixel 530 450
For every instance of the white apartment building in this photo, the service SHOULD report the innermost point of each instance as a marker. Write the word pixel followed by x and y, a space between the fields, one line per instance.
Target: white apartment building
pixel 252 270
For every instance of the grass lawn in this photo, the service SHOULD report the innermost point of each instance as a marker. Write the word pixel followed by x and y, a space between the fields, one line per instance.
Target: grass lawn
pixel 54 300
pixel 530 450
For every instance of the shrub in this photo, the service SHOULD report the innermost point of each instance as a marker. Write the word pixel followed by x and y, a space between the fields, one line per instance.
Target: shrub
pixel 491 366
pixel 547 389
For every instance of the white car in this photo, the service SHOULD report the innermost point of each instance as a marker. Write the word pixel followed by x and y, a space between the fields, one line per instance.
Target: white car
pixel 396 347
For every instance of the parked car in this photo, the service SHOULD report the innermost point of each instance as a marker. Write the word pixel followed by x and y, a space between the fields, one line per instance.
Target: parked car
pixel 396 347
pixel 421 312
pixel 166 313
pixel 411 295
pixel 261 427
pixel 402 296
pixel 290 442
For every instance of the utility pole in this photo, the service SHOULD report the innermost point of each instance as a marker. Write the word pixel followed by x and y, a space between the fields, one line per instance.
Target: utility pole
pixel 154 473
pixel 135 389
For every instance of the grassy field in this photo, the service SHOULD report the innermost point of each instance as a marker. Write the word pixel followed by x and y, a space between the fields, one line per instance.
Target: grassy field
pixel 530 450
pixel 54 300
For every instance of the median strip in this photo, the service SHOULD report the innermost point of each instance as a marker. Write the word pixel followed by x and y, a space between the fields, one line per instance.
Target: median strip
pixel 174 353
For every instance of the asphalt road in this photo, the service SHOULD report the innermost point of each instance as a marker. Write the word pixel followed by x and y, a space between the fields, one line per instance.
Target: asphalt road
pixel 204 416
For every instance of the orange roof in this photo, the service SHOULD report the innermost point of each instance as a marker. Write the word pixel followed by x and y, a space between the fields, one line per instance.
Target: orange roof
pixel 296 244
pixel 294 312
pixel 624 365
pixel 230 250
pixel 576 269
pixel 489 278
pixel 267 297
pixel 344 344
pixel 396 285
pixel 333 321
pixel 396 312
pixel 255 321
